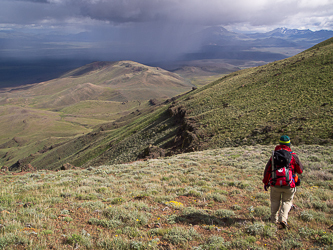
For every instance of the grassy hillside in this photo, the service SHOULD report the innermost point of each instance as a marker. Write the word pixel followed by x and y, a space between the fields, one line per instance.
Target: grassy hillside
pixel 201 72
pixel 292 96
pixel 211 199
pixel 252 106
pixel 47 114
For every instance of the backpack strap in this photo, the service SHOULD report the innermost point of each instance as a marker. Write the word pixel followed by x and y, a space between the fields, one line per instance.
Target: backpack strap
pixel 273 167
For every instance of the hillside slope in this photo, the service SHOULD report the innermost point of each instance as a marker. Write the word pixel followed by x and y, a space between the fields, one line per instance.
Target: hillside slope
pixel 210 199
pixel 292 96
pixel 106 81
pixel 33 117
pixel 253 106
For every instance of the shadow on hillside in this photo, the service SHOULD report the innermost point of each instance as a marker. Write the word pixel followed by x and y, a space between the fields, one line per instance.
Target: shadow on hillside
pixel 198 218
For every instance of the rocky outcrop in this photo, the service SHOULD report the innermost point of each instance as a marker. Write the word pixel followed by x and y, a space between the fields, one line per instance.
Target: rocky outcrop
pixel 4 169
pixel 152 152
pixel 28 168
pixel 185 140
pixel 67 166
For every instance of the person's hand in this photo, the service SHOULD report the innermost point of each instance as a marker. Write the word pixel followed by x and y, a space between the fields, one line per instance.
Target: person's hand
pixel 266 187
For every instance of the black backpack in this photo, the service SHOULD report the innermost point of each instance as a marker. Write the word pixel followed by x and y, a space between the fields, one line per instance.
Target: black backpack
pixel 281 169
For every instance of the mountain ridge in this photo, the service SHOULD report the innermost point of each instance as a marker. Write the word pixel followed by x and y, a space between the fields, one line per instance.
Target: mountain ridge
pixel 247 47
pixel 109 81
pixel 220 43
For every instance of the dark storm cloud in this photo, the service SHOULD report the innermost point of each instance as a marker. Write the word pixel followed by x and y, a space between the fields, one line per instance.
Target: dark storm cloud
pixel 34 1
pixel 32 12
pixel 152 28
pixel 203 12
pixel 195 12
pixel 208 12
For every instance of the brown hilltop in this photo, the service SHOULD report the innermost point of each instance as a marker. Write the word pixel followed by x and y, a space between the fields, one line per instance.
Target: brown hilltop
pixel 107 81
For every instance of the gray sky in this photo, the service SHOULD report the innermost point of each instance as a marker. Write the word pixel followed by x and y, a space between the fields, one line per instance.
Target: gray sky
pixel 131 29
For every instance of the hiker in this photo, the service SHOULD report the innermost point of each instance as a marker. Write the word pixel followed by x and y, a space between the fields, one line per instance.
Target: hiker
pixel 281 176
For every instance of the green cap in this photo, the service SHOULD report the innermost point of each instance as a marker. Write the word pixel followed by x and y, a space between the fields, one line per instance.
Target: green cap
pixel 285 140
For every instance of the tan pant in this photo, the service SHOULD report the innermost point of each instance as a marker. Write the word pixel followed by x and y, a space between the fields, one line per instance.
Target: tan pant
pixel 284 196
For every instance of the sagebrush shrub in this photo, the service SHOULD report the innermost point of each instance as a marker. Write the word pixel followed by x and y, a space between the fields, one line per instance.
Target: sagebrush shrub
pixel 113 243
pixel 262 211
pixel 319 205
pixel 291 243
pixel 256 228
pixel 326 239
pixel 239 244
pixel 79 239
pixel 225 213
pixel 217 197
pixel 307 232
pixel 179 235
pixel 213 242
pixel 306 216
pixel 236 207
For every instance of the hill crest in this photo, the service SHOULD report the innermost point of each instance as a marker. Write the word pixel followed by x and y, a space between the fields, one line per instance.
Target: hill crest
pixel 108 81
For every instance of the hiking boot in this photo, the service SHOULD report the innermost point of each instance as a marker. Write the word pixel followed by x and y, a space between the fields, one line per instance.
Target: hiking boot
pixel 294 207
pixel 284 224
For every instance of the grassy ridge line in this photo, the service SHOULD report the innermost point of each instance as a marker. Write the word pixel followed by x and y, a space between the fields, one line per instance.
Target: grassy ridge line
pixel 255 105
pixel 210 199
pixel 108 82
pixel 121 78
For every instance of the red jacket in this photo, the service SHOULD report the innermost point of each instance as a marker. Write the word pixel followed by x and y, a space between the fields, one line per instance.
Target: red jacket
pixel 295 163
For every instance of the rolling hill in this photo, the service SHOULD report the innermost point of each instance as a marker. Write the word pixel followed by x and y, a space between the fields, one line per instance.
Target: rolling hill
pixel 248 107
pixel 106 81
pixel 201 72
pixel 35 116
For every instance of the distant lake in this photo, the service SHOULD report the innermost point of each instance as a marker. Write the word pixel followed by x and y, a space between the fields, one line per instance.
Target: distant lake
pixel 15 73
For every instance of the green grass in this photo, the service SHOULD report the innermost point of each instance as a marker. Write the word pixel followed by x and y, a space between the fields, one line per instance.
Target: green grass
pixel 101 111
pixel 292 96
pixel 145 204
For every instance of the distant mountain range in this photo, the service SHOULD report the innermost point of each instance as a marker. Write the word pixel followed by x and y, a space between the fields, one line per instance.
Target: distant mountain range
pixel 219 43
pixel 216 44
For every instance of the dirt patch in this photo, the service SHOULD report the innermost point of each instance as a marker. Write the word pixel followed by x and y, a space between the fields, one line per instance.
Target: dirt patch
pixel 152 152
